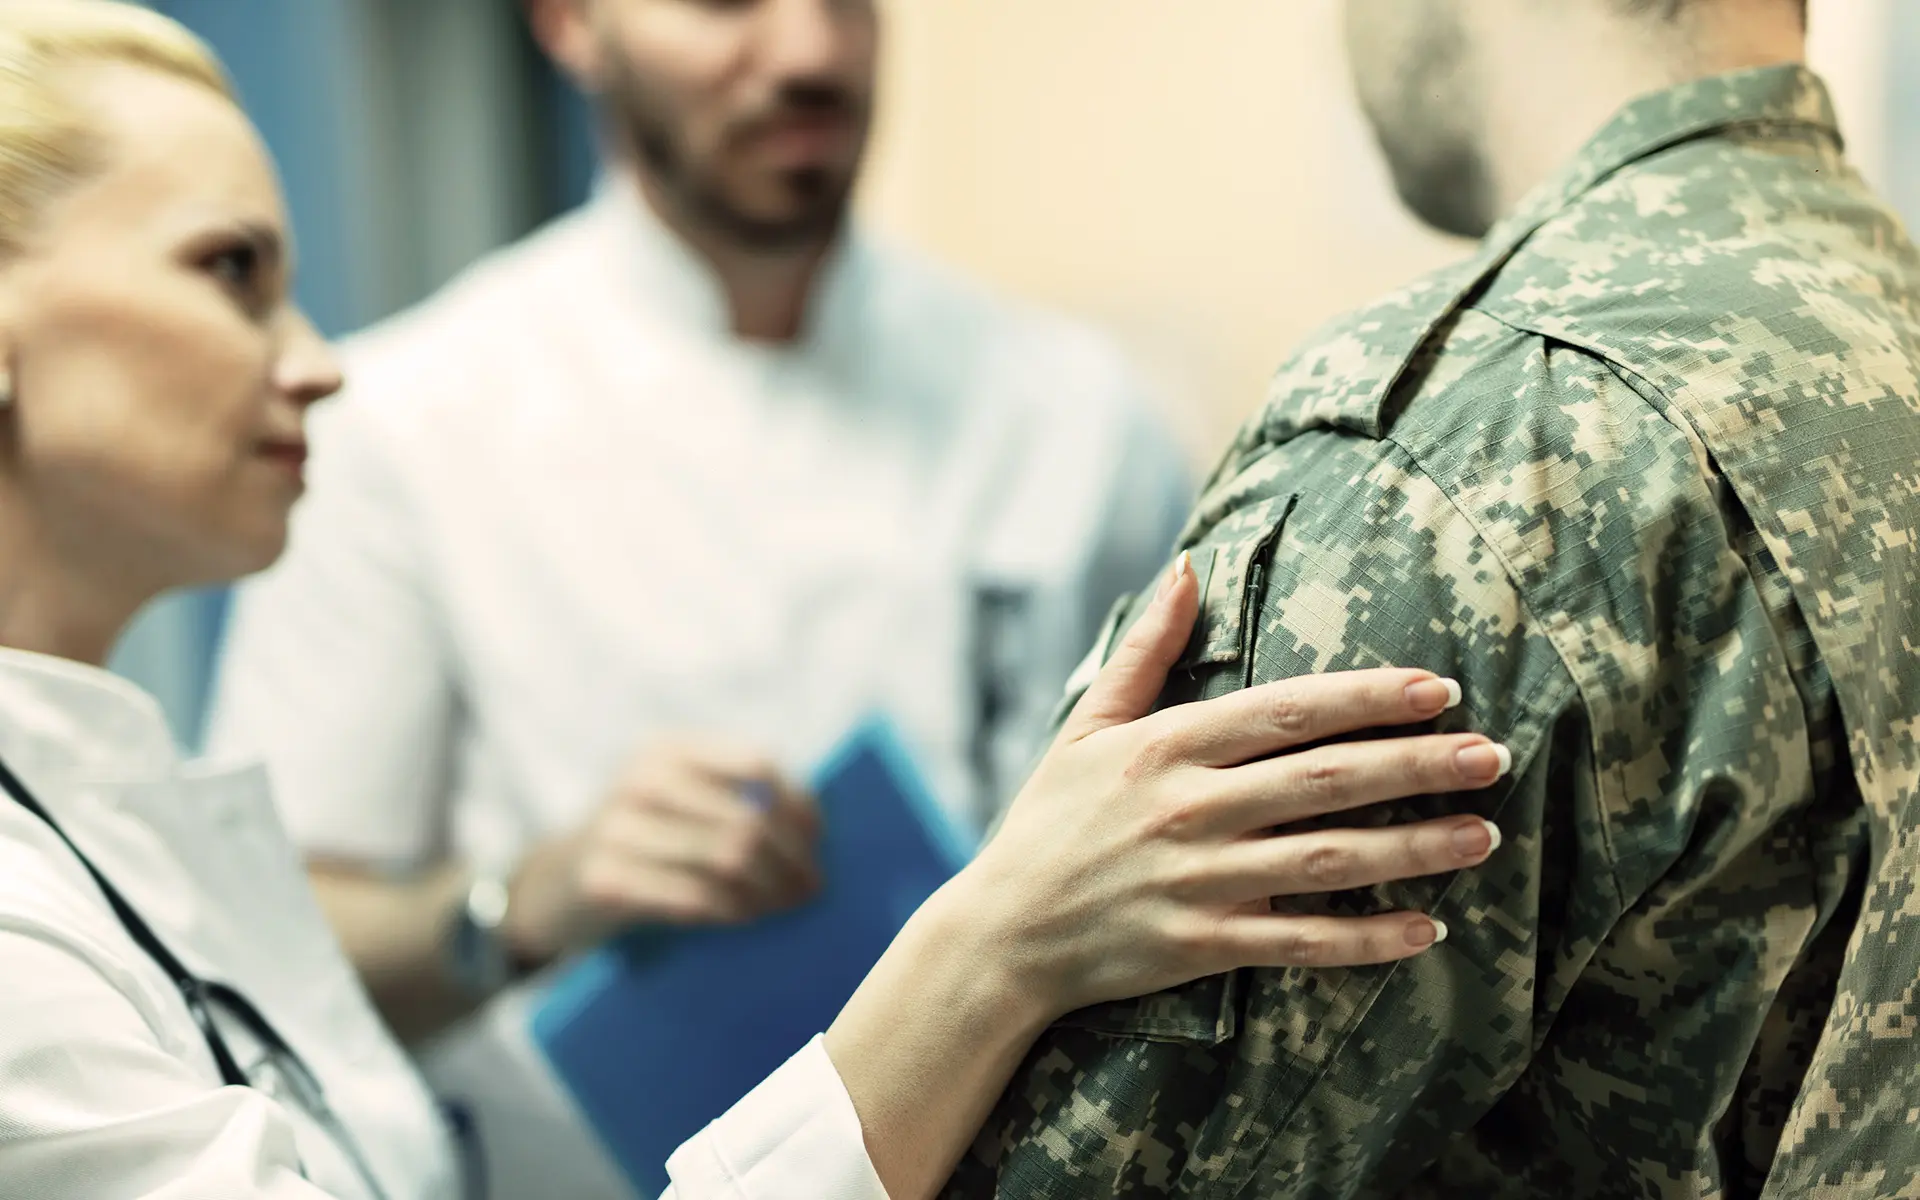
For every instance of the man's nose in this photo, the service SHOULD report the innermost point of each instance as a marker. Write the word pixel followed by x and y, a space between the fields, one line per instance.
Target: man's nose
pixel 810 39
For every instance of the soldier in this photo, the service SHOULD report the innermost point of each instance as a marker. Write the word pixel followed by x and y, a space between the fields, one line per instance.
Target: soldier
pixel 1642 475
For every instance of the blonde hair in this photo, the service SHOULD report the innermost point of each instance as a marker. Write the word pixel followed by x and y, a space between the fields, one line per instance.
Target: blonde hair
pixel 47 141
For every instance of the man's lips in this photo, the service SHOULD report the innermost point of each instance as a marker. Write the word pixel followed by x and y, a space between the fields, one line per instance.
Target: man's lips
pixel 808 137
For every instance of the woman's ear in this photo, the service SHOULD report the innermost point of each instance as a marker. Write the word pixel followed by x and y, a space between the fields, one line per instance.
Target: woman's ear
pixel 9 401
pixel 9 379
pixel 9 351
pixel 14 286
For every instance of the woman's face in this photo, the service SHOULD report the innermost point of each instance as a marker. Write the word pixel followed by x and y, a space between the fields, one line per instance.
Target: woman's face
pixel 160 371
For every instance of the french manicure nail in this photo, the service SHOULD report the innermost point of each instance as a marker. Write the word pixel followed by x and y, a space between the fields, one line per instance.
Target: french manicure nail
pixel 1433 695
pixel 1488 760
pixel 1474 840
pixel 1439 930
pixel 1425 933
pixel 1181 567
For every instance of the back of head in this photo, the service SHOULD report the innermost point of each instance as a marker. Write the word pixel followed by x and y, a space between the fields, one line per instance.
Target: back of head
pixel 46 138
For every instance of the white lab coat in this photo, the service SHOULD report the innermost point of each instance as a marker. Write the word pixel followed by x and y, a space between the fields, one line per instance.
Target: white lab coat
pixel 560 510
pixel 106 1085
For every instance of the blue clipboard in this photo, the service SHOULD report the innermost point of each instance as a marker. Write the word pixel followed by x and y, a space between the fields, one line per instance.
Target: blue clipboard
pixel 661 1031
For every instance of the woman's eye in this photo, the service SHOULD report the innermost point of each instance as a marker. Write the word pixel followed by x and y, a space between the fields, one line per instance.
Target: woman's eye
pixel 238 268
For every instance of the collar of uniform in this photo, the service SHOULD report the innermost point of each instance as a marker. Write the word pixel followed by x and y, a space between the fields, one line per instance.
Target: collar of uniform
pixel 676 286
pixel 73 721
pixel 1392 331
pixel 1764 96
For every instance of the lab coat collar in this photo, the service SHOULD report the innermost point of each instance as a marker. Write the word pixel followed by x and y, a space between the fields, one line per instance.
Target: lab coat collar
pixel 71 721
pixel 675 285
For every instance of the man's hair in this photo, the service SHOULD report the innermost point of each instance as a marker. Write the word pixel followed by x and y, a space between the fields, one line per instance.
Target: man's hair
pixel 1668 10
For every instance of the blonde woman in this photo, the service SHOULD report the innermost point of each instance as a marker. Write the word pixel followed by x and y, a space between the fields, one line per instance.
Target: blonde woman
pixel 175 1020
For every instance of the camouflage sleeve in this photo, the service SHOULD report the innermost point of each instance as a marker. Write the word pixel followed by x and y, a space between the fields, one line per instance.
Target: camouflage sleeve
pixel 1308 1079
pixel 1341 552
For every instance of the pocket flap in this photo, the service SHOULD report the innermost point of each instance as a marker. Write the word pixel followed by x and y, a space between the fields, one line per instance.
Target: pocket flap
pixel 1205 1012
pixel 1228 562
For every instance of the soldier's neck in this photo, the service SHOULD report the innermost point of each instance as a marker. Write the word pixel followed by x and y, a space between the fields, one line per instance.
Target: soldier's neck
pixel 1554 80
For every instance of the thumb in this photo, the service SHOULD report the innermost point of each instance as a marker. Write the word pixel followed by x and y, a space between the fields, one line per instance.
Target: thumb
pixel 1127 686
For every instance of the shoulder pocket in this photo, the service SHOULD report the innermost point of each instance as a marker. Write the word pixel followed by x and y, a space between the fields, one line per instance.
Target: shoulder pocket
pixel 1230 562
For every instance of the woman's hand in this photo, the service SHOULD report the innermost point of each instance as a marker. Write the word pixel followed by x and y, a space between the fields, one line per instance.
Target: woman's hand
pixel 1141 854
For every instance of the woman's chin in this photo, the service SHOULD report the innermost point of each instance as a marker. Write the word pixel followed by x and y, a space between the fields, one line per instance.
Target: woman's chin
pixel 263 554
pixel 244 553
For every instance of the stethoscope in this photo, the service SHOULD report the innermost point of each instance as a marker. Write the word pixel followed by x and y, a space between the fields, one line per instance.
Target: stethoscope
pixel 202 996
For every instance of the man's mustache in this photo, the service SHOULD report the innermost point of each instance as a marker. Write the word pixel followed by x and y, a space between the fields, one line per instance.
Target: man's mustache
pixel 810 101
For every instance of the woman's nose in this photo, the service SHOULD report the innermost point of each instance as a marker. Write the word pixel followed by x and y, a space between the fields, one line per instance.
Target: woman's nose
pixel 308 370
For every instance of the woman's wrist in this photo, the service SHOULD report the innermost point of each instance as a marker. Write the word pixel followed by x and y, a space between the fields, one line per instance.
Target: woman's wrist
pixel 974 929
pixel 928 1042
pixel 958 964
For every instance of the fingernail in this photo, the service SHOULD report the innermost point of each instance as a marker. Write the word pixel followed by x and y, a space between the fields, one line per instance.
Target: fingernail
pixel 1476 839
pixel 1426 933
pixel 1174 574
pixel 1439 930
pixel 1433 695
pixel 1488 760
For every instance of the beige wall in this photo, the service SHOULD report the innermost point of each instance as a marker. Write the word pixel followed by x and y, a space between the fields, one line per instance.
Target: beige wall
pixel 1201 185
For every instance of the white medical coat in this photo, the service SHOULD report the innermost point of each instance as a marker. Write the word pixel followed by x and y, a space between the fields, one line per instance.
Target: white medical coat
pixel 106 1084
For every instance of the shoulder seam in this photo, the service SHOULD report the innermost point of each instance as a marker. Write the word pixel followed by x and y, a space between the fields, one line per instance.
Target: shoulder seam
pixel 1550 629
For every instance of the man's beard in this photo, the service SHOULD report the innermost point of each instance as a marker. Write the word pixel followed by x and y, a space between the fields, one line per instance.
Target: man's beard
pixel 818 197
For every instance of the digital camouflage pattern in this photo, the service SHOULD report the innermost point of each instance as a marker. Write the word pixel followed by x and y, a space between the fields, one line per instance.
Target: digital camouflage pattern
pixel 1644 475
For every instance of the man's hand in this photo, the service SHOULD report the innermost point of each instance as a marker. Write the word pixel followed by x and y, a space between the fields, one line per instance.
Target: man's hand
pixel 695 832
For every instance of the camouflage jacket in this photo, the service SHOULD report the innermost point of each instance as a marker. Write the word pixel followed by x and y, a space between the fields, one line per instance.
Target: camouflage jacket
pixel 1644 475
